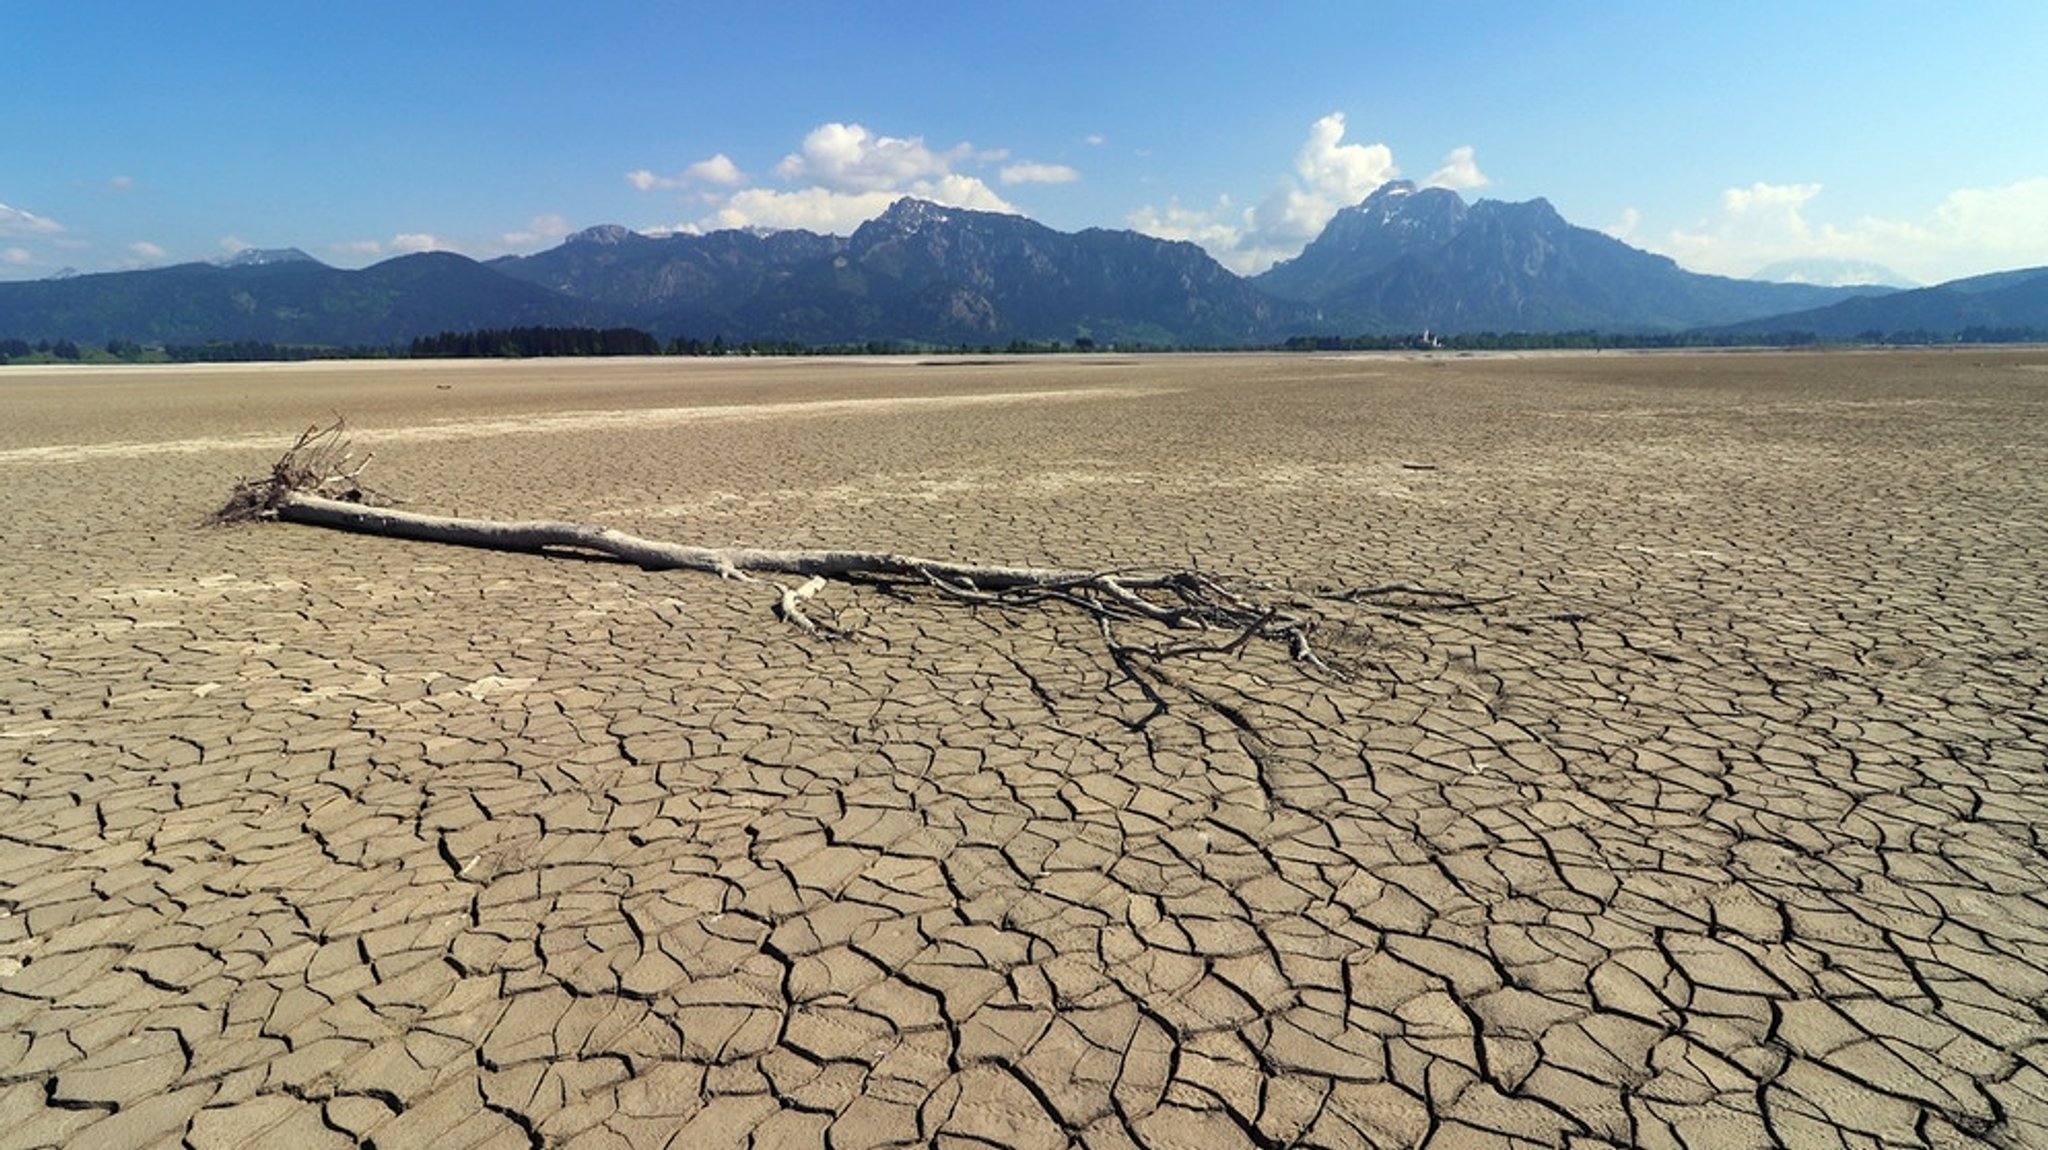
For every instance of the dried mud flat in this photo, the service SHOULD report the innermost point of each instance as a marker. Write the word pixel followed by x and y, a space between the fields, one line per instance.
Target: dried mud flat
pixel 1721 826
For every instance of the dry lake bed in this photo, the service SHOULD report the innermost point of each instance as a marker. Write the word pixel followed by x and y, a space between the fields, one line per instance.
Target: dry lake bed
pixel 1704 806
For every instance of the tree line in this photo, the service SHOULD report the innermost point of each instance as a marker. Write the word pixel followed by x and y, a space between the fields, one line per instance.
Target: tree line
pixel 1596 340
pixel 535 342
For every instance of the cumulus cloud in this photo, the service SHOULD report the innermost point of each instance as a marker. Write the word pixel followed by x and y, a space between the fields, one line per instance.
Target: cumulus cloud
pixel 1329 174
pixel 821 209
pixel 419 242
pixel 719 170
pixel 1971 230
pixel 1349 172
pixel 1028 173
pixel 1095 139
pixel 1784 200
pixel 18 222
pixel 2012 220
pixel 849 158
pixel 1759 224
pixel 1460 172
pixel 1218 228
pixel 842 175
pixel 538 230
pixel 1626 226
pixel 813 209
pixel 147 250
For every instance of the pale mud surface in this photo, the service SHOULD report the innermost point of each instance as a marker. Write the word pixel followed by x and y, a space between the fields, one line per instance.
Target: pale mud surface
pixel 1723 828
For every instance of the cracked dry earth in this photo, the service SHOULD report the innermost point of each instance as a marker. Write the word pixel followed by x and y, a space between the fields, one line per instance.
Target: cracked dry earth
pixel 1721 826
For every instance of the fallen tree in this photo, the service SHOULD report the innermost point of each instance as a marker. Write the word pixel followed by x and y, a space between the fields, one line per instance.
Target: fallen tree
pixel 318 481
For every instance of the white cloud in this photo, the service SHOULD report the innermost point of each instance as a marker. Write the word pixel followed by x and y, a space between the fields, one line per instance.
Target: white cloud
pixel 959 191
pixel 1029 173
pixel 2012 220
pixel 147 250
pixel 844 175
pixel 719 170
pixel 1773 199
pixel 121 184
pixel 1217 228
pixel 1226 231
pixel 1626 226
pixel 1971 230
pixel 833 212
pixel 1759 224
pixel 538 230
pixel 419 242
pixel 813 209
pixel 17 222
pixel 849 158
pixel 1347 172
pixel 1329 175
pixel 16 256
pixel 1460 172
pixel 1095 139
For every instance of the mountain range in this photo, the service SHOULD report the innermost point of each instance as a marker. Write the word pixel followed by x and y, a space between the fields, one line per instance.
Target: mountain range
pixel 1403 260
pixel 2002 305
pixel 1407 259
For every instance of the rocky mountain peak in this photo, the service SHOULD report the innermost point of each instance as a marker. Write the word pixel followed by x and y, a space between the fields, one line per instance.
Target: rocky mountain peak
pixel 911 213
pixel 1432 213
pixel 605 235
pixel 264 257
pixel 1395 219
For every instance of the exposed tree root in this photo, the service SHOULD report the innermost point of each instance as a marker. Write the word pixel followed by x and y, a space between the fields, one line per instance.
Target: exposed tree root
pixel 318 482
pixel 318 463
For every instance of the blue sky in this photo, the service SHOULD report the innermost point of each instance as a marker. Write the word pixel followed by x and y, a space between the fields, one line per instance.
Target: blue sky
pixel 1727 135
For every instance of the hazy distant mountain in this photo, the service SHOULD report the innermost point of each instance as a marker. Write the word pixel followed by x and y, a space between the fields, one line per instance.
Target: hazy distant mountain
pixel 1408 259
pixel 949 275
pixel 689 283
pixel 1403 260
pixel 2011 302
pixel 289 301
pixel 919 272
pixel 1832 273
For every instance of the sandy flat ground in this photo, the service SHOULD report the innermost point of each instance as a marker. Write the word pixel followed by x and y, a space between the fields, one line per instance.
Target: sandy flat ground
pixel 1717 822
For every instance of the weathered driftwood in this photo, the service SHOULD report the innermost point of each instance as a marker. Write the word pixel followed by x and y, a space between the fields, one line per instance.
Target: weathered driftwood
pixel 317 482
pixel 1179 599
pixel 654 554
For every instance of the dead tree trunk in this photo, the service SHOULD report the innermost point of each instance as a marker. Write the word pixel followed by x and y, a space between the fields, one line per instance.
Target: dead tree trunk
pixel 317 482
pixel 1179 600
